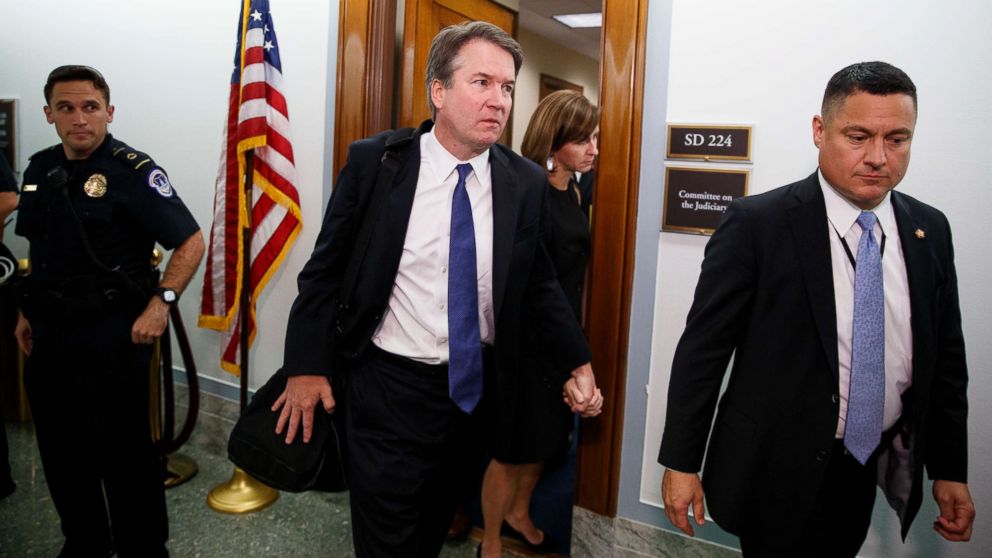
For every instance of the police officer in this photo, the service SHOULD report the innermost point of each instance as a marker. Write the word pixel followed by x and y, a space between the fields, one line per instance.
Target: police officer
pixel 92 209
pixel 8 202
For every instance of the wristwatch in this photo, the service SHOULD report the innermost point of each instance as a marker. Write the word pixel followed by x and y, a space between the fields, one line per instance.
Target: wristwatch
pixel 168 296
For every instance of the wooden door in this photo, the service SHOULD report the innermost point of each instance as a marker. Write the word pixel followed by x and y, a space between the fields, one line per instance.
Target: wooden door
pixel 422 20
pixel 364 100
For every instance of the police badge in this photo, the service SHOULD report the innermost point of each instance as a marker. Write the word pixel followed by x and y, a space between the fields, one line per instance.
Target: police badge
pixel 95 186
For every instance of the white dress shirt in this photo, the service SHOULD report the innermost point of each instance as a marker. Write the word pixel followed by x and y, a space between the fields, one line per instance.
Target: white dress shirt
pixel 415 324
pixel 842 216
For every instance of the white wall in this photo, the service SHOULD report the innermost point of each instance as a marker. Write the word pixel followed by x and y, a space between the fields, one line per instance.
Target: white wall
pixel 766 63
pixel 543 56
pixel 169 68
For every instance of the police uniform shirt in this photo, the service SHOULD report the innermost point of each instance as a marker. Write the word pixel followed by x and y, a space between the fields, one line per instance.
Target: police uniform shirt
pixel 119 197
pixel 7 181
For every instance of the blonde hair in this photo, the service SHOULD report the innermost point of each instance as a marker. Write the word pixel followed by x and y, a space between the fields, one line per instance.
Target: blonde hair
pixel 562 117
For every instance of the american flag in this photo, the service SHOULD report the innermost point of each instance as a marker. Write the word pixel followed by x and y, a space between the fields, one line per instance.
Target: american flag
pixel 257 120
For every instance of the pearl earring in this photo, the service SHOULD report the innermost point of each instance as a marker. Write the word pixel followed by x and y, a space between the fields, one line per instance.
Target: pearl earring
pixel 550 163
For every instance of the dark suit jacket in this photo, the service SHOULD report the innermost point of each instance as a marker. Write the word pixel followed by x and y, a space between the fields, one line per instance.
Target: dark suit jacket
pixel 765 295
pixel 523 276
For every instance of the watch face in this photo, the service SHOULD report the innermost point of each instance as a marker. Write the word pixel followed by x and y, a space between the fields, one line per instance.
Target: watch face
pixel 169 295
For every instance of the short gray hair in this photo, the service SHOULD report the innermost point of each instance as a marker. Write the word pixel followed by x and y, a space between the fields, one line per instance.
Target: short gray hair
pixel 449 42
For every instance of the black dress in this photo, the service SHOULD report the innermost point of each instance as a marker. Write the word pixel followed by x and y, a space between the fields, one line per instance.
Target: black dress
pixel 569 244
pixel 542 421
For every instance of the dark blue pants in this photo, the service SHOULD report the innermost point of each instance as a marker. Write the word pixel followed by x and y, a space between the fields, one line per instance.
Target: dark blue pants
pixel 411 452
pixel 88 389
pixel 841 515
pixel 5 477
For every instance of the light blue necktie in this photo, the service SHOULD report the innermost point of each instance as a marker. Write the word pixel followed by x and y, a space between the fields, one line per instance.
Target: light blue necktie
pixel 866 398
pixel 464 340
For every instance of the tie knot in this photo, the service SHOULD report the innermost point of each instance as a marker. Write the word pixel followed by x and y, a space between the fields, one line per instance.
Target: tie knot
pixel 463 171
pixel 867 220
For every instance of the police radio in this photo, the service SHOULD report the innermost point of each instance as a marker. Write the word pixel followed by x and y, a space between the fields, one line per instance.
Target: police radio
pixel 58 178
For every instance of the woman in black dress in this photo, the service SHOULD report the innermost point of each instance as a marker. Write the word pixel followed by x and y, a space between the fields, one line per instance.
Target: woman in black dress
pixel 562 137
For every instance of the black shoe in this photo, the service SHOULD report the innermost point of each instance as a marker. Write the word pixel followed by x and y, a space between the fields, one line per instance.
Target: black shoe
pixel 461 525
pixel 547 543
pixel 72 552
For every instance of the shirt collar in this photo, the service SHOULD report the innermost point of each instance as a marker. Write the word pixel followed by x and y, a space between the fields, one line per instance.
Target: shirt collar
pixel 443 163
pixel 842 214
pixel 101 149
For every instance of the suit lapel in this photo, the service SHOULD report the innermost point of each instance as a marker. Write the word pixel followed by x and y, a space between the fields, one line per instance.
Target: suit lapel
pixel 396 218
pixel 808 219
pixel 916 253
pixel 505 186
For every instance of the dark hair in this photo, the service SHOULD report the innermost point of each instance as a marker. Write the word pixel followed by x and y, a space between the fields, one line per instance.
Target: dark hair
pixel 874 78
pixel 562 117
pixel 449 42
pixel 76 73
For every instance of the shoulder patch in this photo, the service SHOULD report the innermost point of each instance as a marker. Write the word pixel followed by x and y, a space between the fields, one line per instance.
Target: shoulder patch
pixel 158 180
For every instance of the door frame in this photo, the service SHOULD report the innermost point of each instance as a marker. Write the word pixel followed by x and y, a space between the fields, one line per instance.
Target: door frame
pixel 611 265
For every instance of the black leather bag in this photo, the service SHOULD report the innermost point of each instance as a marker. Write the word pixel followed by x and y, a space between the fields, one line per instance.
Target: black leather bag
pixel 297 467
pixel 319 464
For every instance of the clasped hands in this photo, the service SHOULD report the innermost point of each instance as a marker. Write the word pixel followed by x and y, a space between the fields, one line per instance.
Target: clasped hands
pixel 581 394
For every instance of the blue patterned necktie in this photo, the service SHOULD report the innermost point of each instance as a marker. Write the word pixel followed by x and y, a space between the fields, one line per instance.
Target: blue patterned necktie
pixel 866 398
pixel 464 340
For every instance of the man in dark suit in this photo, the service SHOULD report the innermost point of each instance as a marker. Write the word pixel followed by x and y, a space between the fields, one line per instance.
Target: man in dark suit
pixel 432 331
pixel 844 375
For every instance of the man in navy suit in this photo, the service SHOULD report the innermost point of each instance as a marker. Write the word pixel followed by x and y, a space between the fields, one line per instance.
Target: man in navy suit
pixel 419 379
pixel 787 468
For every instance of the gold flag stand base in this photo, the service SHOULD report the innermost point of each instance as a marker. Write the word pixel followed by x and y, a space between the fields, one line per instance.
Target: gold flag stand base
pixel 241 494
pixel 179 468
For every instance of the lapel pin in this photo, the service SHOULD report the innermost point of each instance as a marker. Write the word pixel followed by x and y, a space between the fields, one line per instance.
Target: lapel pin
pixel 920 234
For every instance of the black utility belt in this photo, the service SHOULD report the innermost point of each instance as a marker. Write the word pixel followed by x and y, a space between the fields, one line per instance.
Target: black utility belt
pixel 81 298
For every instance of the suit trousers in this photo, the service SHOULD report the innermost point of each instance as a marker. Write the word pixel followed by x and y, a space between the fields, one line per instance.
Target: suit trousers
pixel 4 458
pixel 841 515
pixel 88 389
pixel 411 452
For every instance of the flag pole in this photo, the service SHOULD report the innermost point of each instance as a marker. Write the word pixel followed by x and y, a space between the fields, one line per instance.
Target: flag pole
pixel 245 314
pixel 242 493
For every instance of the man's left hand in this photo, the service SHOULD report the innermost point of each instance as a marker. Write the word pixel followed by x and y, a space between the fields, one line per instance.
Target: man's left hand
pixel 151 323
pixel 957 510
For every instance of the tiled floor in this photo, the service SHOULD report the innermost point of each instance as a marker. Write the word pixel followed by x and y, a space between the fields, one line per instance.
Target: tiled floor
pixel 297 525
